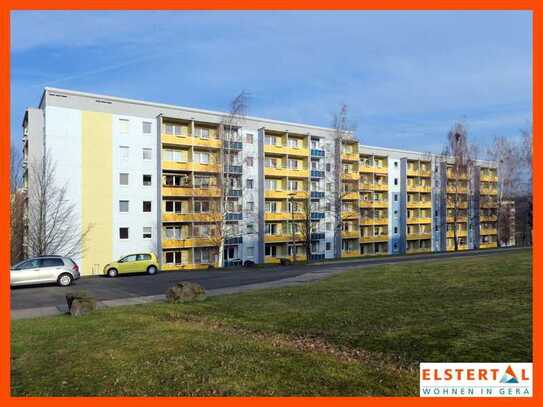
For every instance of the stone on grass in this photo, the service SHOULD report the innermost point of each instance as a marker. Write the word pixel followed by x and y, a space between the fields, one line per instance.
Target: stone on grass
pixel 80 303
pixel 185 292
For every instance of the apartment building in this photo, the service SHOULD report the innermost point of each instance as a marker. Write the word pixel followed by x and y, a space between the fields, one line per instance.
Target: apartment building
pixel 194 188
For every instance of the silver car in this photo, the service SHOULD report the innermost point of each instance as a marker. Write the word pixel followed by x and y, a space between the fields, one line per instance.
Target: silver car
pixel 46 269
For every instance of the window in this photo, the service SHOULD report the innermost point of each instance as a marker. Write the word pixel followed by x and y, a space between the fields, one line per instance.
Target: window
pixel 250 206
pixel 123 126
pixel 250 251
pixel 328 246
pixel 395 181
pixel 174 155
pixel 271 250
pixel 147 180
pixel 396 164
pixel 395 229
pixel 201 157
pixel 292 164
pixel 249 183
pixel 51 262
pixel 147 233
pixel 146 127
pixel 396 197
pixel 249 161
pixel 202 132
pixel 201 206
pixel 250 228
pixel 123 206
pixel 172 257
pixel 146 206
pixel 328 226
pixel 124 152
pixel 173 206
pixel 123 233
pixel 293 142
pixel 147 153
pixel 250 138
pixel 328 167
pixel 123 178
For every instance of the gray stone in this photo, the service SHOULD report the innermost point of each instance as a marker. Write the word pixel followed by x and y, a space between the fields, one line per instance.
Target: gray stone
pixel 185 292
pixel 80 303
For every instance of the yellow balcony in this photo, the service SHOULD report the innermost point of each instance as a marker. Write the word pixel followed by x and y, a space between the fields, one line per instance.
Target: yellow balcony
pixel 188 191
pixel 354 234
pixel 373 204
pixel 192 217
pixel 179 166
pixel 189 242
pixel 350 176
pixel 419 172
pixel 350 253
pixel 419 236
pixel 488 205
pixel 190 141
pixel 282 237
pixel 286 172
pixel 488 231
pixel 349 215
pixel 377 238
pixel 488 178
pixel 350 196
pixel 459 219
pixel 419 188
pixel 373 221
pixel 488 245
pixel 373 169
pixel 284 150
pixel 492 218
pixel 459 205
pixel 373 186
pixel 283 216
pixel 459 233
pixel 450 247
pixel 349 157
pixel 285 194
pixel 419 204
pixel 489 191
pixel 419 220
pixel 456 190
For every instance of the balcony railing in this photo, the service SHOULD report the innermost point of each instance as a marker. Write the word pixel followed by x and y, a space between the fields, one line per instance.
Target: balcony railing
pixel 233 216
pixel 233 145
pixel 317 174
pixel 317 215
pixel 233 192
pixel 317 194
pixel 233 240
pixel 317 152
pixel 233 169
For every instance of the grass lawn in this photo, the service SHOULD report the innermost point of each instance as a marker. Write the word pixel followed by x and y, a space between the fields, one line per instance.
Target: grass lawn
pixel 358 333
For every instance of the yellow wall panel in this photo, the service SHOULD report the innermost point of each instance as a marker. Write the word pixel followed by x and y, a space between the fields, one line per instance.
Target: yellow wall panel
pixel 96 191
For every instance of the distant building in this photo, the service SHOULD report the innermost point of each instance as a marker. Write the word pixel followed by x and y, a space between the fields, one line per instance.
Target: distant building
pixel 151 176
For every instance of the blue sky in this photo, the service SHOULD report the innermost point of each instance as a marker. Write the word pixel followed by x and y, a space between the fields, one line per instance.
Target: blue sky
pixel 405 76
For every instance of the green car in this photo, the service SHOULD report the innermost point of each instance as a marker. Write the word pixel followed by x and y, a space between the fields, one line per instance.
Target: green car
pixel 133 263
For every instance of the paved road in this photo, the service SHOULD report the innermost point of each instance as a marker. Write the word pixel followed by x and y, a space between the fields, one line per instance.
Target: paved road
pixel 104 288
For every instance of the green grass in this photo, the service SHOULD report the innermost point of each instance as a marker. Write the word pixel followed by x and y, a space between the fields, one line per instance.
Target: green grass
pixel 358 333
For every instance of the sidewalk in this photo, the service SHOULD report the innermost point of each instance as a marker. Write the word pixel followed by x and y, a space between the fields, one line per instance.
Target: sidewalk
pixel 63 309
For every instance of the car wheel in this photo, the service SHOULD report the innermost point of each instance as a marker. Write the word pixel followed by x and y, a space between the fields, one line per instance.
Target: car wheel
pixel 64 280
pixel 112 273
pixel 151 270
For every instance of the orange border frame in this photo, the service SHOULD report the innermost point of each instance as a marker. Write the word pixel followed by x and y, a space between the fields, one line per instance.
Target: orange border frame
pixel 8 5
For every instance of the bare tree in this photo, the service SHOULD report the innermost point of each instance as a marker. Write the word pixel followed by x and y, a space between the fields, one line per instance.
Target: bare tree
pixel 463 155
pixel 52 221
pixel 343 132
pixel 507 155
pixel 17 207
pixel 231 171
pixel 523 201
